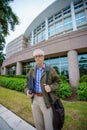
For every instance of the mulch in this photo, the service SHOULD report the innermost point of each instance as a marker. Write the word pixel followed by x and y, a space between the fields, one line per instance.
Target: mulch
pixel 73 97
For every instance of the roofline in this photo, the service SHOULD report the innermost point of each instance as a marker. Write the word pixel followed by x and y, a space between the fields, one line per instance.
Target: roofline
pixel 50 10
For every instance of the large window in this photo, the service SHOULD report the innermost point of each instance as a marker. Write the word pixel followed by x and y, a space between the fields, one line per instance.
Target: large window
pixel 82 58
pixel 50 20
pixel 39 37
pixel 61 22
pixel 78 5
pixel 51 30
pixel 58 15
pixel 11 70
pixel 67 23
pixel 80 18
pixel 67 10
pixel 79 8
pixel 85 2
pixel 26 67
pixel 60 64
pixel 59 27
pixel 39 33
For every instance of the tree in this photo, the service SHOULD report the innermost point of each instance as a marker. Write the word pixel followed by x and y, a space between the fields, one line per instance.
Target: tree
pixel 8 20
pixel 2 57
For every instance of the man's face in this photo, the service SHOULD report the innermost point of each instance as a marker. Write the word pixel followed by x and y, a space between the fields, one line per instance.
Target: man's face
pixel 39 58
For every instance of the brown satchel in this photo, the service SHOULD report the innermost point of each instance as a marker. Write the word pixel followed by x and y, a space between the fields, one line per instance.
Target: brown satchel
pixel 57 108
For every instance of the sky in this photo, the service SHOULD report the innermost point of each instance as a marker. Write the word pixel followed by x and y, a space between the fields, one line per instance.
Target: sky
pixel 27 11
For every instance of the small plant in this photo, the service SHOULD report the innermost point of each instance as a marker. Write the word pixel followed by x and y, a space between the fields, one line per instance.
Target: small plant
pixel 82 91
pixel 63 78
pixel 83 78
pixel 64 90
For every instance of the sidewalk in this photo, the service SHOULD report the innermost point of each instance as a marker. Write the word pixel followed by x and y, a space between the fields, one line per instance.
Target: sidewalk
pixel 10 121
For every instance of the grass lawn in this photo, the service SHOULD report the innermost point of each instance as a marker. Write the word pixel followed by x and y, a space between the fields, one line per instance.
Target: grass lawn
pixel 19 103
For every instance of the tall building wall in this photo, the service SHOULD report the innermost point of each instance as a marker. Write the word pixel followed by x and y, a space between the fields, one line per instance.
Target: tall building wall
pixel 16 45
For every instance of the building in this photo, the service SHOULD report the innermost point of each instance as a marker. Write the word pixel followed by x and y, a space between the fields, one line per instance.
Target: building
pixel 61 31
pixel 16 45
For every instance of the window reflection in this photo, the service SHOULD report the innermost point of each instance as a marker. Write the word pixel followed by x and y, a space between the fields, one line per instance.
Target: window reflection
pixel 51 30
pixel 82 64
pixel 61 22
pixel 11 70
pixel 80 18
pixel 60 64
pixel 67 23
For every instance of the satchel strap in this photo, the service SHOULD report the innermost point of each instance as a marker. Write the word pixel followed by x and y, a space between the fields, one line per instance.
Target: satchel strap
pixel 47 76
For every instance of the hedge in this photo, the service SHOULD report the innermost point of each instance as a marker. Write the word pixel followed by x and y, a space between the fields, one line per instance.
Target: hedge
pixel 82 91
pixel 13 83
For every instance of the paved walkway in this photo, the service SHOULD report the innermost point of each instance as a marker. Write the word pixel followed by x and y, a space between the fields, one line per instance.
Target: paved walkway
pixel 10 121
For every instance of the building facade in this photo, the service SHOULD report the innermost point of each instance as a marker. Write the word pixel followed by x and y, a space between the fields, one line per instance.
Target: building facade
pixel 61 31
pixel 16 45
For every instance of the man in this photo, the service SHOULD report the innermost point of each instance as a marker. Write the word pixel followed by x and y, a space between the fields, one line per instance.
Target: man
pixel 42 112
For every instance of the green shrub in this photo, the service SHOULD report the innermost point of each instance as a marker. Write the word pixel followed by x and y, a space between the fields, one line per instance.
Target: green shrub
pixel 82 91
pixel 14 76
pixel 63 78
pixel 83 78
pixel 64 90
pixel 12 83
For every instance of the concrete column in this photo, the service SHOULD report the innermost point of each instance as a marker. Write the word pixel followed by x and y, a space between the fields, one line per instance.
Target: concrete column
pixel 4 71
pixel 32 39
pixel 86 14
pixel 73 17
pixel 46 28
pixel 18 68
pixel 73 67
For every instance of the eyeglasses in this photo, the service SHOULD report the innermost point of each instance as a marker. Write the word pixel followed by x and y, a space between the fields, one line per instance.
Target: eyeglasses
pixel 38 56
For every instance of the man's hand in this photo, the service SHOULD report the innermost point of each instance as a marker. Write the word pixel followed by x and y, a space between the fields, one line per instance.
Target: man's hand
pixel 29 94
pixel 47 88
